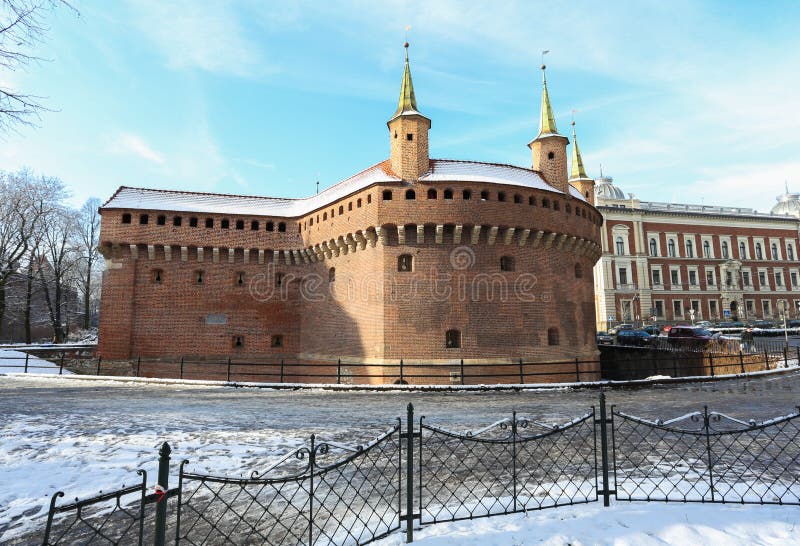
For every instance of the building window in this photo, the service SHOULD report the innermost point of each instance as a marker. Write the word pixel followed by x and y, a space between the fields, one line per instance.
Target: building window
pixel 405 262
pixel 193 221
pixel 369 198
pixel 793 276
pixel 712 308
pixel 677 308
pixel 277 341
pixel 209 223
pixel 254 225
pixel 501 196
pixel 225 223
pixel 358 203
pixel 144 219
pixel 199 277
pixel 725 249
pixel 278 279
pixel 693 278
pixel 710 278
pixel 746 278
pixel 653 248
pixel 774 251
pixel 532 201
pixel 742 251
pixel 790 252
pixel 556 205
pixel 659 305
pixel 674 277
pixel 452 339
pixel 161 220
pixel 778 278
pixel 332 274
pixel 484 195
pixel 578 271
pixel 656 277
pixel 466 195
pixel 409 136
pixel 240 278
pixel 324 216
pixel 706 249
pixel 620 244
pixel 432 193
pixel 238 341
pixel 552 336
pixel 517 198
pixel 546 203
pixel 762 279
pixel 671 248
pixel 766 308
pixel 759 252
pixel 551 155
pixel 271 225
pixel 126 218
pixel 282 227
pixel 689 249
pixel 411 194
pixel 341 210
pixel 239 224
pixel 158 276
pixel 350 206
pixel 387 195
pixel 506 263
pixel 448 193
pixel 623 276
pixel 567 208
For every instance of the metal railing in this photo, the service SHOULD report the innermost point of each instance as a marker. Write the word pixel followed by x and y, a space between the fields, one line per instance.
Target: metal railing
pixel 421 474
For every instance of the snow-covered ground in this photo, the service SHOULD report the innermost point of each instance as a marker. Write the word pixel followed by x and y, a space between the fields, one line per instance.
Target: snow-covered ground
pixel 14 362
pixel 621 524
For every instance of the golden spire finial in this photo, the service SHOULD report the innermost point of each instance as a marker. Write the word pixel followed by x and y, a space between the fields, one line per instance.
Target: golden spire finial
pixel 547 124
pixel 576 171
pixel 407 102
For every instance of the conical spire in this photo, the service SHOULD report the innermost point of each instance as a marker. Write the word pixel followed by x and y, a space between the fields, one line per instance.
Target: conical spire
pixel 577 171
pixel 547 125
pixel 407 102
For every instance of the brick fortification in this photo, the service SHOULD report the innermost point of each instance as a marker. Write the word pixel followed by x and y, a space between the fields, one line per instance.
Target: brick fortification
pixel 414 258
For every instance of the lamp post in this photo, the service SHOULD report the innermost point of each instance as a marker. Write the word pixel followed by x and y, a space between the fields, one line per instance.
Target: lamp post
pixel 783 308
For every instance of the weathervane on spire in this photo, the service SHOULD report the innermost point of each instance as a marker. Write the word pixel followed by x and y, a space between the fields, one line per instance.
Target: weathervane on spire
pixel 405 45
pixel 544 52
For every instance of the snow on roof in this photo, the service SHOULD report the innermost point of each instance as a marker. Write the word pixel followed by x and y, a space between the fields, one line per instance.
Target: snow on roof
pixel 442 170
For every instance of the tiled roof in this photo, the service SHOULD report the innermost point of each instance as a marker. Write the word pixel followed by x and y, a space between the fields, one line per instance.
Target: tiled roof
pixel 442 170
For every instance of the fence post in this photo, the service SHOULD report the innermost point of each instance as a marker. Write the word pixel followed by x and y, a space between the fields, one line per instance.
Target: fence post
pixel 514 457
pixel 711 363
pixel 61 365
pixel 785 357
pixel 577 371
pixel 707 430
pixel 99 360
pixel 401 371
pixel 281 370
pixel 521 373
pixel 766 357
pixel 339 372
pixel 410 472
pixel 138 365
pixel 462 371
pixel 741 360
pixel 797 350
pixel 27 356
pixel 312 458
pixel 181 373
pixel 161 506
pixel 604 448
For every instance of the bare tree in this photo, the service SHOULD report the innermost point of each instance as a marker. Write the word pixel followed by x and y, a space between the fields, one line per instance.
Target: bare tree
pixel 58 259
pixel 88 238
pixel 21 28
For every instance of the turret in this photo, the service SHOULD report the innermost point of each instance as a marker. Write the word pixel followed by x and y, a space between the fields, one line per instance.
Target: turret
pixel 577 175
pixel 549 149
pixel 408 133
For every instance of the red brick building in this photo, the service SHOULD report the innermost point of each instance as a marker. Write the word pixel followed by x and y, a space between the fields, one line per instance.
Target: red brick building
pixel 415 258
pixel 665 260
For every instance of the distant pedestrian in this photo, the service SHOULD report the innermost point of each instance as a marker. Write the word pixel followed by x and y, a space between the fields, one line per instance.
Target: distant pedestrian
pixel 747 340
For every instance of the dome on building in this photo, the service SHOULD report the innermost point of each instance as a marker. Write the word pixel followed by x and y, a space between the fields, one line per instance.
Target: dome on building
pixel 788 204
pixel 605 189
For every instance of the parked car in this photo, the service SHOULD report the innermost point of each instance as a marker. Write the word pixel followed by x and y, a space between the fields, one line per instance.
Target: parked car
pixel 636 338
pixel 620 327
pixel 604 338
pixel 652 330
pixel 731 324
pixel 763 324
pixel 794 323
pixel 689 337
pixel 703 324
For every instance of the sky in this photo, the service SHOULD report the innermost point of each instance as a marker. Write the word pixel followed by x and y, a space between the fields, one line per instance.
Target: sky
pixel 683 101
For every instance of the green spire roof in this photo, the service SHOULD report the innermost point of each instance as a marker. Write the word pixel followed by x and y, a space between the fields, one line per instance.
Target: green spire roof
pixel 407 102
pixel 547 125
pixel 577 171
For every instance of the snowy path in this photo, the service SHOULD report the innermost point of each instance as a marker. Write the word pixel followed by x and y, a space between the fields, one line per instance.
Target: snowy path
pixel 82 437
pixel 14 362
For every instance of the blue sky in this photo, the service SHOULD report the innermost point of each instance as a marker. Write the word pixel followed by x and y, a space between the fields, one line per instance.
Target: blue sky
pixel 679 101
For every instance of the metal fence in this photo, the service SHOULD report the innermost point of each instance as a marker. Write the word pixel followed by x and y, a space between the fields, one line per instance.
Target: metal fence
pixel 657 362
pixel 421 474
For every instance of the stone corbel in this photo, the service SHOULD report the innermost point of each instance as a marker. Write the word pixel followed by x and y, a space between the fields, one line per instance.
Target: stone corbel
pixel 492 234
pixel 457 234
pixel 151 252
pixel 508 235
pixel 523 238
pixel 476 233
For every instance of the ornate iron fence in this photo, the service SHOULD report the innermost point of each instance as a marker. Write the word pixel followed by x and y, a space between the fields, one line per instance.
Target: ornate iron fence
pixel 512 465
pixel 330 493
pixel 301 499
pixel 707 457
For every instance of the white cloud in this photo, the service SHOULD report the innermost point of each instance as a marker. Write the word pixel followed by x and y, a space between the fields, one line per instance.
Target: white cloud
pixel 753 185
pixel 131 144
